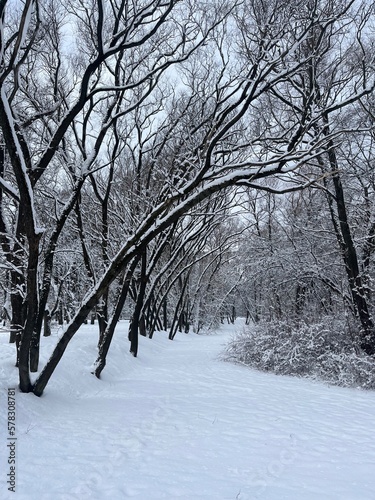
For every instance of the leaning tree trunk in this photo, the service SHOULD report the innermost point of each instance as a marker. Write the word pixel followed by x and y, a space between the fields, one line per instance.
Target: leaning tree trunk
pixel 47 323
pixel 110 330
pixel 178 309
pixel 134 325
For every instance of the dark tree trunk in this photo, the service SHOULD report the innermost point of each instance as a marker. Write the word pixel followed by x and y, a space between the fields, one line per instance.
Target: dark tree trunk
pixel 350 257
pixel 110 330
pixel 102 315
pixel 176 322
pixel 142 326
pixel 47 324
pixel 155 322
pixel 34 351
pixel 29 348
pixel 248 317
pixel 357 289
pixel 165 315
pixel 134 325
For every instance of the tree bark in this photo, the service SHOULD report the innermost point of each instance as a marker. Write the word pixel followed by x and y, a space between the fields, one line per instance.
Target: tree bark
pixel 29 351
pixel 134 325
pixel 110 330
pixel 349 255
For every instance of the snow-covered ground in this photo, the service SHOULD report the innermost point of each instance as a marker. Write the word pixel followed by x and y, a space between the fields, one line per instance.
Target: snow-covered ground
pixel 178 423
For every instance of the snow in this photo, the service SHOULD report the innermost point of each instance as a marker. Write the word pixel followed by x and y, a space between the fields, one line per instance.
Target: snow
pixel 8 188
pixel 25 24
pixel 179 423
pixel 29 198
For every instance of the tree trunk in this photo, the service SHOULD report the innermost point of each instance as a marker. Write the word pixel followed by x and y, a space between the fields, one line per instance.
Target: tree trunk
pixel 110 330
pixel 349 254
pixel 47 324
pixel 142 326
pixel 134 325
pixel 176 322
pixel 29 348
pixel 102 315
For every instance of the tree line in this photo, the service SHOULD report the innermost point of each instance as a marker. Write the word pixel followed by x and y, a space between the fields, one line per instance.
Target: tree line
pixel 184 157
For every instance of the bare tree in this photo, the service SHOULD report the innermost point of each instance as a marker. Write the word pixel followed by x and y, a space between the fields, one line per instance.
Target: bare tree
pixel 230 62
pixel 124 50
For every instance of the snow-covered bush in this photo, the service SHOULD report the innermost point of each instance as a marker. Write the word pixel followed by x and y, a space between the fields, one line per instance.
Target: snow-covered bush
pixel 324 351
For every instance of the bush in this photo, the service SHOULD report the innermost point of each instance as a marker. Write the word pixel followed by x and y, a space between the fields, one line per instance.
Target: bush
pixel 324 351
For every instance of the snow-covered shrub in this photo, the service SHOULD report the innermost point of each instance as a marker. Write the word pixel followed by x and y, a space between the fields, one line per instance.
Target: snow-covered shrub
pixel 324 351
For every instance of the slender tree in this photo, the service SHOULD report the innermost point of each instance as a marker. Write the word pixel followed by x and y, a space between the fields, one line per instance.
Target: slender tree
pixel 229 62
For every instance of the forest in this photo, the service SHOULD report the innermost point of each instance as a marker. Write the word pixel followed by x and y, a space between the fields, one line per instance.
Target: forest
pixel 180 163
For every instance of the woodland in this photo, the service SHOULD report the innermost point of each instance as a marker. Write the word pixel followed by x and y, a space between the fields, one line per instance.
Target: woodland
pixel 180 163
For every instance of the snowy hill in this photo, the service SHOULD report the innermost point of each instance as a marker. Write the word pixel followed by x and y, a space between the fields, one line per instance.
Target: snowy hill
pixel 178 423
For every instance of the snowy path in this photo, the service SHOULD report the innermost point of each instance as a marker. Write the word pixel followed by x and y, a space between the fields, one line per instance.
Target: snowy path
pixel 177 423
